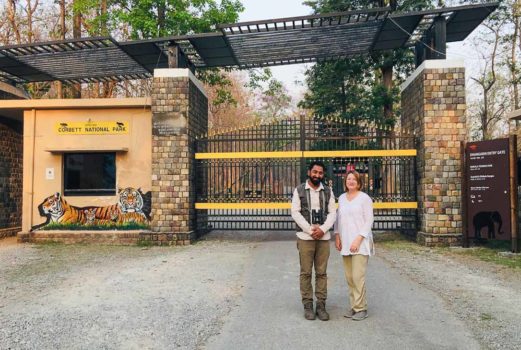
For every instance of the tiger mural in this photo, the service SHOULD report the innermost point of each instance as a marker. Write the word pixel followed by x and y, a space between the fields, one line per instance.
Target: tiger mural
pixel 57 210
pixel 133 206
pixel 91 220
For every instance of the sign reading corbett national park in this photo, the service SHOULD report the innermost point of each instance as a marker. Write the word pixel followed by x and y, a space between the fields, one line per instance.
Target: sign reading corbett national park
pixel 488 189
pixel 92 128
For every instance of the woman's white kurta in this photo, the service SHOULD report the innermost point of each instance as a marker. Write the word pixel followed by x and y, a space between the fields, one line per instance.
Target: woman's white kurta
pixel 355 218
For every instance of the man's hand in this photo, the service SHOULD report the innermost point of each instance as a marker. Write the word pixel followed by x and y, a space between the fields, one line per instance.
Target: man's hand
pixel 316 232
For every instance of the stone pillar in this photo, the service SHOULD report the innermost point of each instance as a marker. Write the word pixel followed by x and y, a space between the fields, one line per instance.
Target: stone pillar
pixel 179 113
pixel 11 154
pixel 433 108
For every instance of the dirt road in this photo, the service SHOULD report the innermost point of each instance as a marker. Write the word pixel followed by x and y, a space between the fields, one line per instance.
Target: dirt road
pixel 229 294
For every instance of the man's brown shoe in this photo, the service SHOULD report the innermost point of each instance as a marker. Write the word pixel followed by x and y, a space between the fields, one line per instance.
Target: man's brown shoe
pixel 321 311
pixel 308 311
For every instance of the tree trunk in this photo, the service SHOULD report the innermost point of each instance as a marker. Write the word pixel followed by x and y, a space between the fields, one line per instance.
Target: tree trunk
pixel 108 87
pixel 76 34
pixel 484 116
pixel 161 17
pixel 11 16
pixel 387 80
pixel 59 85
pixel 29 11
pixel 344 102
pixel 514 71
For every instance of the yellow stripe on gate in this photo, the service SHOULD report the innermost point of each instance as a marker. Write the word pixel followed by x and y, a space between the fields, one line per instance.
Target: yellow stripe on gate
pixel 243 205
pixel 308 154
pixel 395 205
pixel 246 155
pixel 361 153
pixel 286 205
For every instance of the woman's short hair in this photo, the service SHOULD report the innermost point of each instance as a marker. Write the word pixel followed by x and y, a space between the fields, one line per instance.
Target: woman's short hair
pixel 357 176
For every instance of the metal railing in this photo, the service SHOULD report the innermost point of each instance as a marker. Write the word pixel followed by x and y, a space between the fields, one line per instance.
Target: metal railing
pixel 246 177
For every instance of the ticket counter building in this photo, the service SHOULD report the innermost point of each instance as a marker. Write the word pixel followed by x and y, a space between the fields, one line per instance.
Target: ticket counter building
pixel 111 170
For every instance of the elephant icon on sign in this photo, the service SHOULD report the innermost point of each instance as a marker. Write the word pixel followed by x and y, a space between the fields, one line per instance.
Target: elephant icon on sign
pixel 487 219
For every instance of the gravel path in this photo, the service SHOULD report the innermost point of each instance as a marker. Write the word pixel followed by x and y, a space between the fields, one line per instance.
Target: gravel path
pixel 487 297
pixel 227 293
pixel 80 297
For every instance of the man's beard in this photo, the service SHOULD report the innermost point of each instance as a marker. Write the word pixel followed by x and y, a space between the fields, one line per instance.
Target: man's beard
pixel 315 181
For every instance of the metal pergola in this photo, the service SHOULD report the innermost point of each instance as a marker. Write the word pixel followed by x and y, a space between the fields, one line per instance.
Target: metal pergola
pixel 245 45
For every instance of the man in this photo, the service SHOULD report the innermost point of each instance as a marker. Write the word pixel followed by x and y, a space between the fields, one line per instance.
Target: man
pixel 313 209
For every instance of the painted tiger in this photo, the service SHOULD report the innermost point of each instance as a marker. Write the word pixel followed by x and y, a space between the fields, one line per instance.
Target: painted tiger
pixel 90 215
pixel 57 210
pixel 130 200
pixel 132 217
pixel 129 209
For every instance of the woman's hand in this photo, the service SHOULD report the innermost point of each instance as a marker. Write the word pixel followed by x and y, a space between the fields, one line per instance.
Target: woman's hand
pixel 338 242
pixel 355 246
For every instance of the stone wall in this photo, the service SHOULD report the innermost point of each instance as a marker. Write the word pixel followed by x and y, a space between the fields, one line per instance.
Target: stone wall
pixel 179 113
pixel 433 103
pixel 89 237
pixel 11 145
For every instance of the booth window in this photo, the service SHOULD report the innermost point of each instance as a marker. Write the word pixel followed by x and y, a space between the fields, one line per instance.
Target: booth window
pixel 89 174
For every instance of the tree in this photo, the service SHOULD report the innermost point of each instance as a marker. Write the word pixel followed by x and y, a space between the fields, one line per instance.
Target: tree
pixel 230 107
pixel 360 87
pixel 271 96
pixel 13 20
pixel 158 18
pixel 497 75
pixel 121 19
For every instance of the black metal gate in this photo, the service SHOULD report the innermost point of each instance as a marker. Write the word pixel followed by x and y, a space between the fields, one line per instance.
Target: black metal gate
pixel 246 177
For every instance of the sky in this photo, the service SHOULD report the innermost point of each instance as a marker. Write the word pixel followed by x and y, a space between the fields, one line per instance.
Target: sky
pixel 288 74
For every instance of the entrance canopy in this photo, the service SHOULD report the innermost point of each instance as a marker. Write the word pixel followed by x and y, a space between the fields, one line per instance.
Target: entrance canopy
pixel 241 45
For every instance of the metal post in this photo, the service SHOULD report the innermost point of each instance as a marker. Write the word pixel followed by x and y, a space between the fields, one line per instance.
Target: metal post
pixel 440 38
pixel 419 50
pixel 464 209
pixel 513 193
pixel 173 56
pixel 303 172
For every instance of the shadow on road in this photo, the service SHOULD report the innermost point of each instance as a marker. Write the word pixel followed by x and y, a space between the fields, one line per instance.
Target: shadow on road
pixel 249 236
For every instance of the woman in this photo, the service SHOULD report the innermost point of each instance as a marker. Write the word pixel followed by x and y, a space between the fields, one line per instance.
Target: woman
pixel 354 240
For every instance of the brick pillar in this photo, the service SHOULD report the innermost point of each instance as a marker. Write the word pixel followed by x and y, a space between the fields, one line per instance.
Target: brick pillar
pixel 433 108
pixel 179 113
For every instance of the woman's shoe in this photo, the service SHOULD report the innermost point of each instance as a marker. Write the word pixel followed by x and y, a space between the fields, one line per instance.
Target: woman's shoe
pixel 349 313
pixel 360 315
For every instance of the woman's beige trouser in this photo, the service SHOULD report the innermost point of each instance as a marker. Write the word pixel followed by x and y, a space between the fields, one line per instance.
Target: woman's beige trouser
pixel 355 267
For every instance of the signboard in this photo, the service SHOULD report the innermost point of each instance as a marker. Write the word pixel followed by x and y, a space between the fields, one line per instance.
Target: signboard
pixel 92 128
pixel 163 124
pixel 488 191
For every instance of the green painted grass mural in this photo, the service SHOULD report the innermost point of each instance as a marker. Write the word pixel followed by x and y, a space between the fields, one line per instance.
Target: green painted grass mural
pixel 80 227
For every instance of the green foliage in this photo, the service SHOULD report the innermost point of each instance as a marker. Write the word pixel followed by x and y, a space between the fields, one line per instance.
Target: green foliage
pixel 273 98
pixel 490 252
pixel 158 18
pixel 215 77
pixel 145 19
pixel 353 88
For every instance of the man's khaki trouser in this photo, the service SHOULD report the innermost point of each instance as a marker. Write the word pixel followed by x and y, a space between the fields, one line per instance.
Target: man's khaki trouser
pixel 311 253
pixel 355 267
